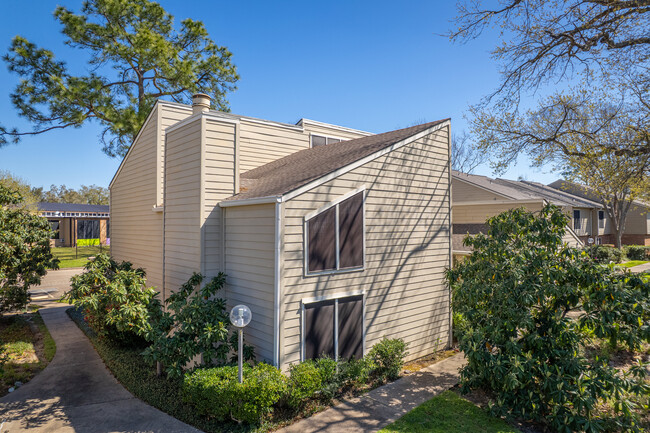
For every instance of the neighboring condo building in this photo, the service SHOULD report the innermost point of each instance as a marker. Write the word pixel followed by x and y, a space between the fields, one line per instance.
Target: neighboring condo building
pixel 77 224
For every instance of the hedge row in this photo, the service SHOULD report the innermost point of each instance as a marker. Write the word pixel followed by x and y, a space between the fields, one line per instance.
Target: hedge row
pixel 216 392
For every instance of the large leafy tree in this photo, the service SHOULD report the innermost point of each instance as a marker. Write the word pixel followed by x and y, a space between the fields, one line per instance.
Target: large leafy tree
pixel 597 45
pixel 577 134
pixel 136 55
pixel 533 305
pixel 86 194
pixel 25 252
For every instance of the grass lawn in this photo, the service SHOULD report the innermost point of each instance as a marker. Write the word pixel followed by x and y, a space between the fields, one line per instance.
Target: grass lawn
pixel 71 257
pixel 448 413
pixel 632 263
pixel 28 347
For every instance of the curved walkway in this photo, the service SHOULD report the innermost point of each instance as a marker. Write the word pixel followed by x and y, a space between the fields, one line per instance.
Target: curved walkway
pixel 75 392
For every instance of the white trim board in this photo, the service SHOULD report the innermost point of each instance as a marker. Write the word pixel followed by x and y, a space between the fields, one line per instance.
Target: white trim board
pixel 304 121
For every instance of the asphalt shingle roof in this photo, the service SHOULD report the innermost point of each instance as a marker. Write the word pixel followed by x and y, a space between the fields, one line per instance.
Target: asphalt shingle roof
pixel 293 171
pixel 72 207
pixel 508 191
pixel 551 194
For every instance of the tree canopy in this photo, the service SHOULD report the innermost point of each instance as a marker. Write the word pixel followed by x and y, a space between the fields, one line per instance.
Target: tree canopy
pixel 25 252
pixel 601 48
pixel 532 305
pixel 136 55
pixel 86 194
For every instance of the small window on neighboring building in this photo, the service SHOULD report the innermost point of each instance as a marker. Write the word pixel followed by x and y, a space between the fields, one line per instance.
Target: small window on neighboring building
pixel 319 140
pixel 576 220
pixel 54 226
pixel 335 238
pixel 599 241
pixel 601 219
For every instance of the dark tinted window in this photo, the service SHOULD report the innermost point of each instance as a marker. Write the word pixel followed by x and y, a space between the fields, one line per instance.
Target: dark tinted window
pixel 351 232
pixel 54 225
pixel 317 140
pixel 319 329
pixel 322 241
pixel 88 229
pixel 350 327
pixel 332 140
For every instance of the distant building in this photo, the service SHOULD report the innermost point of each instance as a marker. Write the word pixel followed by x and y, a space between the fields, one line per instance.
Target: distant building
pixel 77 224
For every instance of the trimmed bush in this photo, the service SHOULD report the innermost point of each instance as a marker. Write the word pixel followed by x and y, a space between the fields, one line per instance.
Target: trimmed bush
pixel 604 254
pixel 217 393
pixel 637 252
pixel 387 358
pixel 303 383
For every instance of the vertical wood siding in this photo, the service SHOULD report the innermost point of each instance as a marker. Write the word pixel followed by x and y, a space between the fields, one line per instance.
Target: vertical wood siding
pixel 219 169
pixel 136 231
pixel 182 204
pixel 249 266
pixel 407 249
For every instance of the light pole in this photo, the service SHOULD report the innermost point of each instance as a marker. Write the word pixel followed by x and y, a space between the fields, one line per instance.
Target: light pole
pixel 240 316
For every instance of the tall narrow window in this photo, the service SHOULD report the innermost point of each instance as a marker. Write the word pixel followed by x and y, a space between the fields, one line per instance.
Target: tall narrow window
pixel 335 238
pixel 322 241
pixel 601 219
pixel 54 226
pixel 576 220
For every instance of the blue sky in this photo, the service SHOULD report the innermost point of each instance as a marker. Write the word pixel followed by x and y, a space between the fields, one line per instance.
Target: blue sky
pixel 374 66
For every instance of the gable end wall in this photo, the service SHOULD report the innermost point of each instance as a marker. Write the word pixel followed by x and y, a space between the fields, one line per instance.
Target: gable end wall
pixel 407 220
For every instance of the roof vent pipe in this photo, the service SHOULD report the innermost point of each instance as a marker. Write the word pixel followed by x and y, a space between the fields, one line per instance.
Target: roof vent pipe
pixel 200 103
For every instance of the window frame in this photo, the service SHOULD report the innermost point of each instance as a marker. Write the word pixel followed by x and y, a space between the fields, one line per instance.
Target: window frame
pixel 305 235
pixel 577 221
pixel 326 137
pixel 333 297
pixel 601 221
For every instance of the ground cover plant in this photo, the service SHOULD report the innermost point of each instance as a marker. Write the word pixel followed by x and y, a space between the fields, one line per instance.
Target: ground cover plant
pixel 71 257
pixel 532 305
pixel 27 347
pixel 448 413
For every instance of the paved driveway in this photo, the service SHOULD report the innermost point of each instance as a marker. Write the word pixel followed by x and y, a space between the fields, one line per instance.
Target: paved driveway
pixel 75 392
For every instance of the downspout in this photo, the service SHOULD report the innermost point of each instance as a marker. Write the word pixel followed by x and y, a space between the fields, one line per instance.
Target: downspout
pixel 450 338
pixel 277 284
pixel 163 202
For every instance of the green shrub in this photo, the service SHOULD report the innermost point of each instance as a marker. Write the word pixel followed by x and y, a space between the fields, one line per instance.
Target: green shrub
pixel 356 371
pixel 636 252
pixel 114 298
pixel 25 253
pixel 604 254
pixel 328 372
pixel 303 383
pixel 194 323
pixel 216 392
pixel 387 358
pixel 461 325
pixel 516 289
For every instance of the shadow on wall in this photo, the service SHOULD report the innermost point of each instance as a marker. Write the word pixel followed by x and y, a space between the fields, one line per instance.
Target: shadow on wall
pixel 407 233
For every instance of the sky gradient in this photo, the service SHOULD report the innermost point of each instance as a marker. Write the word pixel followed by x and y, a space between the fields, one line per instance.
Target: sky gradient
pixel 372 66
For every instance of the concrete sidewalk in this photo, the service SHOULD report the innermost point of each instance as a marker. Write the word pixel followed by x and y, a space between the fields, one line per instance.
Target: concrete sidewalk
pixel 76 393
pixel 641 268
pixel 382 406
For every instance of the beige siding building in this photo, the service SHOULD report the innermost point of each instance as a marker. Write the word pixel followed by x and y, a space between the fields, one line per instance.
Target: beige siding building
pixel 637 222
pixel 477 198
pixel 334 237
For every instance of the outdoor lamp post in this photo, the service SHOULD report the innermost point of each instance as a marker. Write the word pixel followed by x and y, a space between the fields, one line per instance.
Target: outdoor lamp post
pixel 240 316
